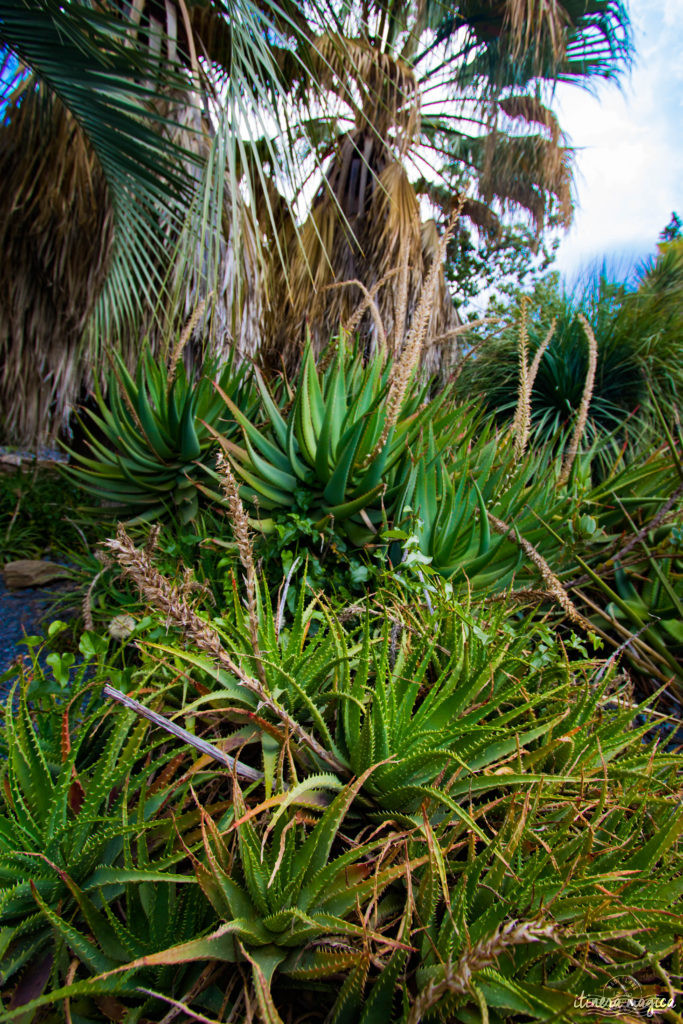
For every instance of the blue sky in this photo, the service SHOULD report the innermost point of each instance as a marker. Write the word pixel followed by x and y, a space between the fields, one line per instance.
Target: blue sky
pixel 629 166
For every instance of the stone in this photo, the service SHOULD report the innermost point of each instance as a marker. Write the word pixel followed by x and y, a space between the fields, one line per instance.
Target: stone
pixel 31 572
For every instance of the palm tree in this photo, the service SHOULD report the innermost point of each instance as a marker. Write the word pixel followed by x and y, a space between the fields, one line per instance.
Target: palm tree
pixel 401 104
pixel 419 101
pixel 113 156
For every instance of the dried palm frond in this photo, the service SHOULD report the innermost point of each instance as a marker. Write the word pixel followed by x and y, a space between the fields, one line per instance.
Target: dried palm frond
pixel 365 222
pixel 56 233
pixel 523 170
pixel 379 87
pixel 532 111
pixel 537 26
pixel 482 216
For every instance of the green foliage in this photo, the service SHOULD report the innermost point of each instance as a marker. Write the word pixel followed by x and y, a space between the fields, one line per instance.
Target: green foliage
pixel 451 501
pixel 652 315
pixel 544 870
pixel 672 232
pixel 283 893
pixel 451 810
pixel 494 816
pixel 556 396
pixel 38 513
pixel 320 457
pixel 506 260
pixel 334 566
pixel 65 835
pixel 638 335
pixel 154 432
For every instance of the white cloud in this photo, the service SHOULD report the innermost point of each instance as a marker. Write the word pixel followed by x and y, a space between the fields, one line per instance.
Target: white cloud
pixel 630 149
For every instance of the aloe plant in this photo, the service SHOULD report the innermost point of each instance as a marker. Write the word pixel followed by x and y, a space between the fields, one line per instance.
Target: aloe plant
pixel 448 501
pixel 542 916
pixel 153 432
pixel 332 453
pixel 285 896
pixel 68 825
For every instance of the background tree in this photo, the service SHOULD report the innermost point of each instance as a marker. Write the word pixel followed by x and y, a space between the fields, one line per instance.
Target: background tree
pixel 201 123
pixel 422 103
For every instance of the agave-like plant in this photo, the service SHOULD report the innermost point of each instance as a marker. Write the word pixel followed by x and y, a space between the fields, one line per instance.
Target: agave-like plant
pixel 152 434
pixel 334 453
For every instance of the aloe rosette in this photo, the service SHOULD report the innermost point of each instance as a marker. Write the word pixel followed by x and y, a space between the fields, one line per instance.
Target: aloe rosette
pixel 153 433
pixel 329 455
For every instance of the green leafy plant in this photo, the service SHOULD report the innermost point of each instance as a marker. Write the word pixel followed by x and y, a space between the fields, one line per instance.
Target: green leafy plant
pixel 332 453
pixel 38 513
pixel 73 811
pixel 153 433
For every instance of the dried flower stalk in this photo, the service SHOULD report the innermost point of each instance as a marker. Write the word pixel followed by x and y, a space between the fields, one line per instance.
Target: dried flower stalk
pixel 401 303
pixel 582 417
pixel 183 340
pixel 172 600
pixel 457 977
pixel 403 370
pixel 359 311
pixel 463 329
pixel 240 525
pixel 533 369
pixel 553 586
pixel 368 302
pixel 521 422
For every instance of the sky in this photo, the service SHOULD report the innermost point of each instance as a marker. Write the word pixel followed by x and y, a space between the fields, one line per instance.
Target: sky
pixel 629 163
